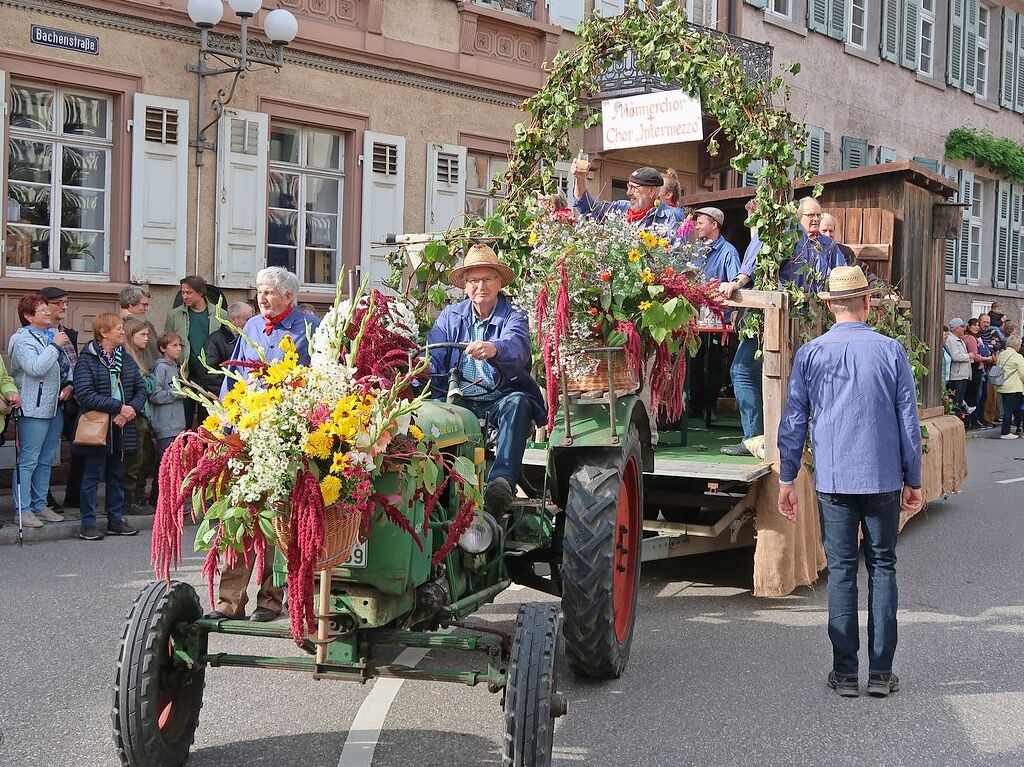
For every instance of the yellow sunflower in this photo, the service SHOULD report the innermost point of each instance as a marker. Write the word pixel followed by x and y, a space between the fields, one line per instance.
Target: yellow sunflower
pixel 330 489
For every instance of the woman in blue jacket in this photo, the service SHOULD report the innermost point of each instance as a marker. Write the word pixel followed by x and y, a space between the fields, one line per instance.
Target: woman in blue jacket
pixel 108 380
pixel 40 371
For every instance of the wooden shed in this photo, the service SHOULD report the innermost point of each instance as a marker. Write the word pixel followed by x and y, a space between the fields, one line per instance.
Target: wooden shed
pixel 902 201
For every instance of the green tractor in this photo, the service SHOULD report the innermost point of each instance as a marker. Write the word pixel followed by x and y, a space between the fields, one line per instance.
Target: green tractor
pixel 577 534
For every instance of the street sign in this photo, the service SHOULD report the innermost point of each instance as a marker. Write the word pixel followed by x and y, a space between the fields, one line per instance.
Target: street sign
pixel 666 117
pixel 71 41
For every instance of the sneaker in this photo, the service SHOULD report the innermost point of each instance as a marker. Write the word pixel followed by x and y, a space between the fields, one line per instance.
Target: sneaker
pixel 738 449
pixel 846 686
pixel 1008 436
pixel 880 685
pixel 138 509
pixel 90 533
pixel 498 496
pixel 49 515
pixel 28 519
pixel 120 528
pixel 52 503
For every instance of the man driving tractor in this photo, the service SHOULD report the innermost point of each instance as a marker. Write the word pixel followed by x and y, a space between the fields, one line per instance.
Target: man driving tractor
pixel 495 366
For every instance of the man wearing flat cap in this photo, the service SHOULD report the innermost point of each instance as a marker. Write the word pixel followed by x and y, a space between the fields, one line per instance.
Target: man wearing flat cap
pixel 866 439
pixel 641 206
pixel 495 365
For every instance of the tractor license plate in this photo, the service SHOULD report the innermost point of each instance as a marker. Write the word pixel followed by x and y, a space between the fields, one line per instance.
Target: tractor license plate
pixel 357 558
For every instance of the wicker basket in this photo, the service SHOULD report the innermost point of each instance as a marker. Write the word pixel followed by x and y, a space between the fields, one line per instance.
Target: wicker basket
pixel 623 378
pixel 341 534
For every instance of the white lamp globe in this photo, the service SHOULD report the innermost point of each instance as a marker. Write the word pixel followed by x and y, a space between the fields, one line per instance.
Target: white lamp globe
pixel 246 7
pixel 205 13
pixel 281 26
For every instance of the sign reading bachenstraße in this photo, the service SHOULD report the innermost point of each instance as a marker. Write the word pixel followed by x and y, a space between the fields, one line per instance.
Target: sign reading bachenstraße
pixel 666 117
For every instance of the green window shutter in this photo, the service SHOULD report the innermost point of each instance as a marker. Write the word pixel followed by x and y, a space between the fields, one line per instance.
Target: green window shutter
pixel 889 38
pixel 1016 244
pixel 837 19
pixel 755 3
pixel 952 246
pixel 1007 63
pixel 929 163
pixel 966 196
pixel 814 155
pixel 748 177
pixel 1001 263
pixel 955 49
pixel 1018 88
pixel 817 15
pixel 885 154
pixel 911 33
pixel 854 152
pixel 970 45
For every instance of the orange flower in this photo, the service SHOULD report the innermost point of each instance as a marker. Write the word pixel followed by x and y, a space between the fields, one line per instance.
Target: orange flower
pixel 605 276
pixel 593 311
pixel 669 271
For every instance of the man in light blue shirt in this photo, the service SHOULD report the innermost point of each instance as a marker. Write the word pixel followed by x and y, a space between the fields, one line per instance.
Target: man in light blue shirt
pixel 853 389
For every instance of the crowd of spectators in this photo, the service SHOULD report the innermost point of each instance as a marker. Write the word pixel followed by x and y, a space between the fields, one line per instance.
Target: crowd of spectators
pixel 125 378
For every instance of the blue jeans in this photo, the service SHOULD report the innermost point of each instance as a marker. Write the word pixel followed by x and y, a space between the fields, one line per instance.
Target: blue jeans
pixel 746 384
pixel 512 415
pixel 100 468
pixel 1011 416
pixel 38 440
pixel 877 515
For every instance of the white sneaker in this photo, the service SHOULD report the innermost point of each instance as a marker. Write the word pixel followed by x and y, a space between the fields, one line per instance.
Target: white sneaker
pixel 49 515
pixel 28 519
pixel 970 409
pixel 1008 436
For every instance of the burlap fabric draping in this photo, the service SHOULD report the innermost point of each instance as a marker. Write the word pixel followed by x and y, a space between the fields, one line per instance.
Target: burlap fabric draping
pixel 788 554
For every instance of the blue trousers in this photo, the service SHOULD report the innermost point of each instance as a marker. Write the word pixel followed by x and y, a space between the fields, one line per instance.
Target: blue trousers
pixel 512 415
pixel 103 468
pixel 746 384
pixel 38 440
pixel 877 516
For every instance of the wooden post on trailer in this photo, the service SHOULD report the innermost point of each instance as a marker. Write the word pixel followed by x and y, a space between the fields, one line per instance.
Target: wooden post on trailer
pixel 777 357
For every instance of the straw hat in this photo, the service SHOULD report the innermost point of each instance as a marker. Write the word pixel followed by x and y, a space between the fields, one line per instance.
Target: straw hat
pixel 480 256
pixel 847 282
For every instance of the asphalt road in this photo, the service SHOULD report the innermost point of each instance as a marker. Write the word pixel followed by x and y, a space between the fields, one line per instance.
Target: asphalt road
pixel 716 677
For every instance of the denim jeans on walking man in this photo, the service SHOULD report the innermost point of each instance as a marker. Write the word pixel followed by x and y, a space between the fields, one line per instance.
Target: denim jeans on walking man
pixel 513 417
pixel 38 441
pixel 746 385
pixel 877 516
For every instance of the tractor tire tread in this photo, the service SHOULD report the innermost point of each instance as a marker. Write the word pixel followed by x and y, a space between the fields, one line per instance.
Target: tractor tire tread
pixel 529 725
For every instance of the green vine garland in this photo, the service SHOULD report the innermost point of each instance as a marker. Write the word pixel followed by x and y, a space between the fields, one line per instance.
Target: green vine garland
pixel 665 46
pixel 1002 156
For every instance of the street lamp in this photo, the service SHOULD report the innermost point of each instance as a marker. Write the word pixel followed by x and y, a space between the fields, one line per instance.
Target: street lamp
pixel 237 54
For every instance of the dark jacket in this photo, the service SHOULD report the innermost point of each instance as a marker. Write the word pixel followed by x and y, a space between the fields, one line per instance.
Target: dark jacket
pixel 508 330
pixel 218 349
pixel 92 392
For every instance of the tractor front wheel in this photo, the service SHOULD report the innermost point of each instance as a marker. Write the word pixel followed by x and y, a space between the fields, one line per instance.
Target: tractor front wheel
pixel 601 562
pixel 532 701
pixel 157 698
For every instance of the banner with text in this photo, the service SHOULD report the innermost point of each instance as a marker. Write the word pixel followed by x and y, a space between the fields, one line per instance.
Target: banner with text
pixel 666 117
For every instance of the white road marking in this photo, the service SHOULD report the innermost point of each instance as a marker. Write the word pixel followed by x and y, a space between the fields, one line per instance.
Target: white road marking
pixel 1009 481
pixel 364 734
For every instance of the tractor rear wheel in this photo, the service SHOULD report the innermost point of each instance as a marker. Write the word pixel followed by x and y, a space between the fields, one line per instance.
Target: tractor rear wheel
pixel 532 701
pixel 156 699
pixel 601 562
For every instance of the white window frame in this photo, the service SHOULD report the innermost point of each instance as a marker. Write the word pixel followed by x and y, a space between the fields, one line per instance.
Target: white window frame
pixel 782 9
pixel 926 44
pixel 492 199
pixel 305 171
pixel 853 29
pixel 977 220
pixel 981 67
pixel 59 141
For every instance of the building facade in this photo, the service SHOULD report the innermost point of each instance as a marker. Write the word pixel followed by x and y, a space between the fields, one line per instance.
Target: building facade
pixel 887 80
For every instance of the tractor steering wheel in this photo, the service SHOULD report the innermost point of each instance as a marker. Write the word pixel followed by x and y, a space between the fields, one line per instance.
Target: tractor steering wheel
pixel 455 378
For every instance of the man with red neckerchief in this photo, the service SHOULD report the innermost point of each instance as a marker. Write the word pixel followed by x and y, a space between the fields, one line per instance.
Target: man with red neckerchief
pixel 641 206
pixel 277 292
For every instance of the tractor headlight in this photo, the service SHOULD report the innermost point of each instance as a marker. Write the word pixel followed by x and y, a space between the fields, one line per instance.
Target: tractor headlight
pixel 480 535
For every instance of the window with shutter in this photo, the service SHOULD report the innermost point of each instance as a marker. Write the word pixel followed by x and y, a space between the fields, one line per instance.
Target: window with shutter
pixel 970 45
pixel 814 154
pixel 242 217
pixel 955 48
pixel 1018 87
pixel 818 15
pixel 748 177
pixel 885 154
pixel 952 248
pixel 857 24
pixel 1001 262
pixel 837 18
pixel 929 163
pixel 926 37
pixel 1008 59
pixel 967 197
pixel 854 152
pixel 981 59
pixel 383 203
pixel 1016 237
pixel 889 37
pixel 911 34
pixel 446 186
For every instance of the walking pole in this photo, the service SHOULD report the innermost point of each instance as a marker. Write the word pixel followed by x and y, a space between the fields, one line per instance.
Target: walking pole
pixel 16 415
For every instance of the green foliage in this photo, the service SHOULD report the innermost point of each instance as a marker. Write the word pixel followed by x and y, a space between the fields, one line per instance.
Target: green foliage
pixel 1002 156
pixel 663 45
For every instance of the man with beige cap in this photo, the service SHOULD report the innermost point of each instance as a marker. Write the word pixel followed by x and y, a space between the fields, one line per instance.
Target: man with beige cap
pixel 495 365
pixel 721 260
pixel 866 440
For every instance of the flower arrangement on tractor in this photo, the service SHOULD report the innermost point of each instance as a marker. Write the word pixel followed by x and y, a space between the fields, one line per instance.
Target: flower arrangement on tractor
pixel 610 284
pixel 291 455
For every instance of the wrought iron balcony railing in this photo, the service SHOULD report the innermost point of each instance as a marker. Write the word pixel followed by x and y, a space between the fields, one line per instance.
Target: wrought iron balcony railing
pixel 624 78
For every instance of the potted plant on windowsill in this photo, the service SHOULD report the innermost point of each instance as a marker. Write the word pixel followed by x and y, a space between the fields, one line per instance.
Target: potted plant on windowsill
pixel 77 253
